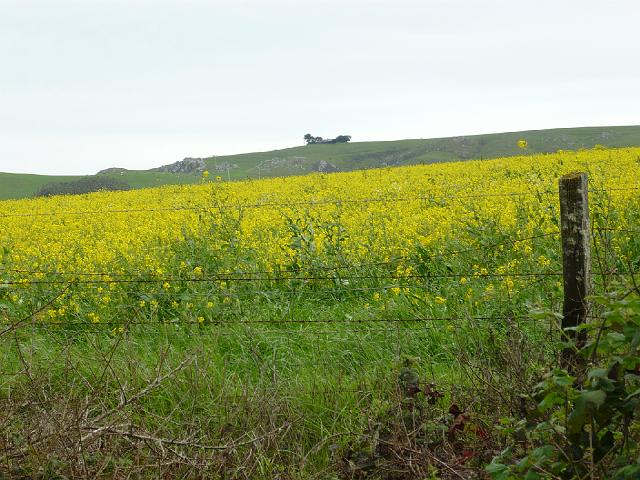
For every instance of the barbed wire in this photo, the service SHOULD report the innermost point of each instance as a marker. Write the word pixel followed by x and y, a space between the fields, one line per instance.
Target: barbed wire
pixel 333 201
pixel 336 201
pixel 227 278
pixel 621 230
pixel 256 293
pixel 253 322
pixel 287 269
pixel 275 279
pixel 613 189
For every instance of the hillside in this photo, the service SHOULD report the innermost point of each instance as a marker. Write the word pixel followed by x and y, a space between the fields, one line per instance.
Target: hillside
pixel 355 156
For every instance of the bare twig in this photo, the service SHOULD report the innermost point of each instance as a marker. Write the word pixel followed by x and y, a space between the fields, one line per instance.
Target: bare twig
pixel 123 401
pixel 184 443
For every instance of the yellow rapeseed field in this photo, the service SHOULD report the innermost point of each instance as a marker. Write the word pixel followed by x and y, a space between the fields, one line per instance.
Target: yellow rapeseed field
pixel 265 224
pixel 90 232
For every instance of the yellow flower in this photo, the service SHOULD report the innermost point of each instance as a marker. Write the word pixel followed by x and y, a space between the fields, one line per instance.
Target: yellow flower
pixel 544 261
pixel 200 319
pixel 440 300
pixel 522 144
pixel 509 283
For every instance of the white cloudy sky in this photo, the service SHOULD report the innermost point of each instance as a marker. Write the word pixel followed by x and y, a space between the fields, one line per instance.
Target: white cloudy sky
pixel 89 84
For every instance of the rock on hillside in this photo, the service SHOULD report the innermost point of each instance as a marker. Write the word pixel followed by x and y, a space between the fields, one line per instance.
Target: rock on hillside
pixel 112 171
pixel 325 167
pixel 188 165
pixel 302 164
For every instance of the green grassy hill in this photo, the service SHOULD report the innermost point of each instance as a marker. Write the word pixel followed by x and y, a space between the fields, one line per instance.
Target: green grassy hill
pixel 22 185
pixel 357 155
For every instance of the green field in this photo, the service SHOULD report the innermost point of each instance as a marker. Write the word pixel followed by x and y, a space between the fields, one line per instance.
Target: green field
pixel 390 324
pixel 357 155
pixel 23 185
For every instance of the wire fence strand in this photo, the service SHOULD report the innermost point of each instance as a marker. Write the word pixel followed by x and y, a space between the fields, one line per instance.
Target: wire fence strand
pixel 277 269
pixel 332 201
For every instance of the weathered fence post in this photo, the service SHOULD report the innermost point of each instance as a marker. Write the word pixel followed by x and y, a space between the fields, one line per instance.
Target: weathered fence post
pixel 576 258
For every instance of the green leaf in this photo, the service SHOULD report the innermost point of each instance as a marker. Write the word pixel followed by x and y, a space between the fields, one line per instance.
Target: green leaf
pixel 562 378
pixel 531 475
pixel 634 394
pixel 594 397
pixel 498 471
pixel 577 418
pixel 616 339
pixel 598 373
pixel 551 399
pixel 635 341
pixel 542 453
pixel 496 468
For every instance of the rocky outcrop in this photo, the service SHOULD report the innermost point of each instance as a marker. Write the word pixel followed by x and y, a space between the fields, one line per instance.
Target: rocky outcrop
pixel 188 165
pixel 223 167
pixel 297 163
pixel 112 171
pixel 325 167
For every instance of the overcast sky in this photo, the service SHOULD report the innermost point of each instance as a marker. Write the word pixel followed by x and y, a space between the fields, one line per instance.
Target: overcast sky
pixel 90 84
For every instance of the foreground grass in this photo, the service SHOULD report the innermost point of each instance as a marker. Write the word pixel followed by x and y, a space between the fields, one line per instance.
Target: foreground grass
pixel 290 380
pixel 271 402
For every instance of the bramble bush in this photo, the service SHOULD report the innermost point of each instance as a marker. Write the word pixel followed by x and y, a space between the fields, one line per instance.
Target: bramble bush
pixel 585 424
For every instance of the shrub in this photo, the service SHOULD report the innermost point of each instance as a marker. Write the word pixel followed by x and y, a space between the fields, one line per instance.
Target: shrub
pixel 83 185
pixel 585 424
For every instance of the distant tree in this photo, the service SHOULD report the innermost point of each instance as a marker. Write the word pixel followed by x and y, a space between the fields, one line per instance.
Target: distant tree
pixel 310 139
pixel 342 139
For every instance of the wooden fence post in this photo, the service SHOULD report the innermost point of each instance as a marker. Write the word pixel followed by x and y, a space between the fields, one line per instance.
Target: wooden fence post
pixel 576 258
